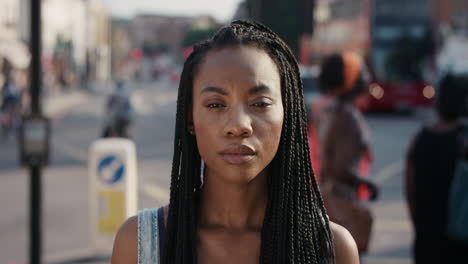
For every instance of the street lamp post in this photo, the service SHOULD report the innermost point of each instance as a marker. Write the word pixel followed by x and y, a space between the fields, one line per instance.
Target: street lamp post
pixel 34 136
pixel 35 170
pixel 35 46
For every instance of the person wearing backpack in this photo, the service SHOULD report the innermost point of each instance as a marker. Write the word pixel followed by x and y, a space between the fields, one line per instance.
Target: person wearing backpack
pixel 119 111
pixel 430 167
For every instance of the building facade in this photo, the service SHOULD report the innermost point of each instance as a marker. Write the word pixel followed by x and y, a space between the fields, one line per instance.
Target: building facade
pixel 150 32
pixel 12 47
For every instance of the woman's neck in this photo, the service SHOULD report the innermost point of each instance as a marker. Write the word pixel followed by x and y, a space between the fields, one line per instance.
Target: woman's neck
pixel 233 206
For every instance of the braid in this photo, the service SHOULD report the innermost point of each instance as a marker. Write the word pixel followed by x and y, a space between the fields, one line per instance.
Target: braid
pixel 295 228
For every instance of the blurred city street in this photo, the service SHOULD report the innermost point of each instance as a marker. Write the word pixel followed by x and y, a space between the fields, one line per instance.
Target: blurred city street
pixel 79 122
pixel 94 51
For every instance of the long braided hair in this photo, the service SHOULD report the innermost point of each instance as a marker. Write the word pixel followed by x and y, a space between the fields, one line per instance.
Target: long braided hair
pixel 295 228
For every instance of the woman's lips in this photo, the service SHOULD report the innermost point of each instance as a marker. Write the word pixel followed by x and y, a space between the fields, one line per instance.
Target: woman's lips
pixel 237 159
pixel 237 154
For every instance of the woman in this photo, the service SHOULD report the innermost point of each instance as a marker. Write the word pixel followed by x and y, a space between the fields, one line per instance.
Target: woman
pixel 344 142
pixel 430 167
pixel 240 112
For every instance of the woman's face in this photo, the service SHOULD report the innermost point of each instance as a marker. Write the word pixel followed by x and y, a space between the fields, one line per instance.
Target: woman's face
pixel 237 112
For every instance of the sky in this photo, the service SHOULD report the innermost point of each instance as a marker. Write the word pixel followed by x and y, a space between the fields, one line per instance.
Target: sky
pixel 222 10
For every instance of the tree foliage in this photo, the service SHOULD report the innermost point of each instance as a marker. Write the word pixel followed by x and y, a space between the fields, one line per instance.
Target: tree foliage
pixel 196 35
pixel 286 18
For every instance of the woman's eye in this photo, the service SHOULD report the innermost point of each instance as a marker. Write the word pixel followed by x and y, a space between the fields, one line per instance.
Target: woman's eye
pixel 215 105
pixel 261 104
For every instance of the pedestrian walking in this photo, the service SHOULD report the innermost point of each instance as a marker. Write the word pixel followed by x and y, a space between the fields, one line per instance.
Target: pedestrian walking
pixel 241 178
pixel 430 168
pixel 119 113
pixel 343 142
pixel 10 114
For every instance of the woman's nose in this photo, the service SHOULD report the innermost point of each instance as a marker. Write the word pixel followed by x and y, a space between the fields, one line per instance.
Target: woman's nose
pixel 239 123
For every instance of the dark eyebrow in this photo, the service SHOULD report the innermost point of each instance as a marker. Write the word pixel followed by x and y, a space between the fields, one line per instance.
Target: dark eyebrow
pixel 214 90
pixel 259 88
pixel 255 90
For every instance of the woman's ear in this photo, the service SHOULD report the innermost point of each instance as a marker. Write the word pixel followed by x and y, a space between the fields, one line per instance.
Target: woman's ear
pixel 190 126
pixel 191 129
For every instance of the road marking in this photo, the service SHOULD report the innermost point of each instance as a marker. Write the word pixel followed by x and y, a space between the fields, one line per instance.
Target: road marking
pixel 140 105
pixel 148 103
pixel 393 225
pixel 155 192
pixel 74 152
pixel 389 171
pixel 62 105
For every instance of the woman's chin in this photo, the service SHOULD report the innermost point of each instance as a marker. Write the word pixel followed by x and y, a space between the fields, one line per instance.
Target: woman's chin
pixel 236 176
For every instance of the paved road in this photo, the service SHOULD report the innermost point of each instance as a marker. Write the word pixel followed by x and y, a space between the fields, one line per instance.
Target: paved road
pixel 65 181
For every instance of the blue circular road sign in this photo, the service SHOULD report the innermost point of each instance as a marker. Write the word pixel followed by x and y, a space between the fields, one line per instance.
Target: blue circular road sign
pixel 110 169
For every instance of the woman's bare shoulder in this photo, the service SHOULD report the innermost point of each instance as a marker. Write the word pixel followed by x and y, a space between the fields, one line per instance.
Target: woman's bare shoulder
pixel 345 247
pixel 126 243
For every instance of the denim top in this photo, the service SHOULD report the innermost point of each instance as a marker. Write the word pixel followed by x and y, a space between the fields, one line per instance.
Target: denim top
pixel 150 235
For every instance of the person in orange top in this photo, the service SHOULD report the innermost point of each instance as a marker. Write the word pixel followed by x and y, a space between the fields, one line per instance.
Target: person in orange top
pixel 343 138
pixel 337 76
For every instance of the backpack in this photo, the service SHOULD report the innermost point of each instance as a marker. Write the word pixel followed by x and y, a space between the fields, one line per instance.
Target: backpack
pixel 120 108
pixel 458 197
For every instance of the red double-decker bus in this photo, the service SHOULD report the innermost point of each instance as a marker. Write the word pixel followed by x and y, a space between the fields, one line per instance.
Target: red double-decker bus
pixel 395 39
